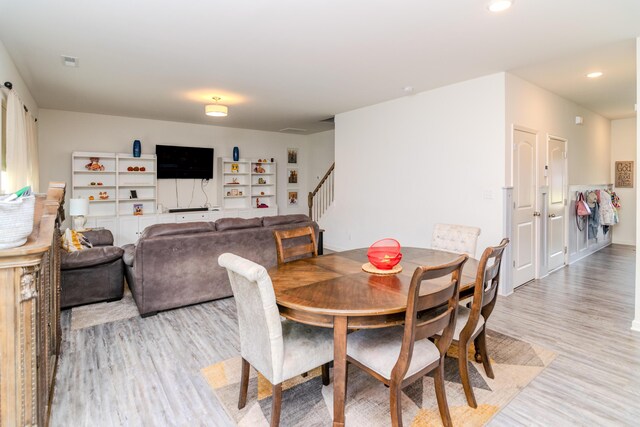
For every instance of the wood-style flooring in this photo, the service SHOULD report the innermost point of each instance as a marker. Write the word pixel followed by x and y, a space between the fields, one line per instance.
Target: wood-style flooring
pixel 146 372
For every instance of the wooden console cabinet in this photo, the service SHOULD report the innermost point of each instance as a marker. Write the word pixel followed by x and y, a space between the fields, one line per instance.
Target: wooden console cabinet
pixel 30 317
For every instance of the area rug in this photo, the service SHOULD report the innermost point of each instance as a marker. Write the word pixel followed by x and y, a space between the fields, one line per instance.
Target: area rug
pixel 105 312
pixel 306 402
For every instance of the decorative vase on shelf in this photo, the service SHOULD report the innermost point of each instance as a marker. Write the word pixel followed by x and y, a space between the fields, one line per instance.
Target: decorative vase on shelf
pixel 236 154
pixel 137 148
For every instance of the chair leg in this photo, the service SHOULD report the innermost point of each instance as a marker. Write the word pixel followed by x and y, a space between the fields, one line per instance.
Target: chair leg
pixel 395 403
pixel 325 374
pixel 276 403
pixel 441 395
pixel 463 368
pixel 481 346
pixel 244 384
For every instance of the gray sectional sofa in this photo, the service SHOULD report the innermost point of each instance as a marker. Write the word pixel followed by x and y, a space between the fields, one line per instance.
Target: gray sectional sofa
pixel 174 265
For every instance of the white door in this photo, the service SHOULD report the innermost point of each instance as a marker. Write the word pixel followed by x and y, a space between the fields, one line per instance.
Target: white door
pixel 127 230
pixel 557 175
pixel 524 204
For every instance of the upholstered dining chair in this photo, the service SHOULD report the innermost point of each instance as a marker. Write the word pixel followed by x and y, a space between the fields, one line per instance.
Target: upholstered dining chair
pixel 400 355
pixel 461 239
pixel 472 322
pixel 295 244
pixel 278 349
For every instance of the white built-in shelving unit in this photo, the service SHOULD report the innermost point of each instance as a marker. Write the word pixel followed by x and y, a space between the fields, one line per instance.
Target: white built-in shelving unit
pixel 243 187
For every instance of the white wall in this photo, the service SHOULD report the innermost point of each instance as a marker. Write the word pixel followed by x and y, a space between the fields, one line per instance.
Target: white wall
pixel 589 152
pixel 404 165
pixel 623 147
pixel 321 151
pixel 63 132
pixel 9 72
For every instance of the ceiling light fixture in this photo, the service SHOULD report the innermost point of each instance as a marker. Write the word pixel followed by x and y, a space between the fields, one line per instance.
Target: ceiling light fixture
pixel 595 74
pixel 500 5
pixel 216 110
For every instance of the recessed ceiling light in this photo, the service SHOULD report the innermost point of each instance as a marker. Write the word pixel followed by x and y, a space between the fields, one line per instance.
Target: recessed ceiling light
pixel 595 74
pixel 500 5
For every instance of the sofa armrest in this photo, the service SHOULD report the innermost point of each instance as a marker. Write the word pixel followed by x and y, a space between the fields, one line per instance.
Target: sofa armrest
pixel 89 257
pixel 129 254
pixel 99 237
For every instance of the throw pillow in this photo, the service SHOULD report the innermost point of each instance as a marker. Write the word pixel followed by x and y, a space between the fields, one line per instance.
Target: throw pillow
pixel 73 241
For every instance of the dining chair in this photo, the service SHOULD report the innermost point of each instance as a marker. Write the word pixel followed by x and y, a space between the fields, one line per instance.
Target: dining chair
pixel 460 239
pixel 278 349
pixel 295 244
pixel 400 355
pixel 472 322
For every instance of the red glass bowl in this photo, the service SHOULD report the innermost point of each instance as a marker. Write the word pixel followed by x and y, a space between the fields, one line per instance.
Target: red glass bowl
pixel 384 254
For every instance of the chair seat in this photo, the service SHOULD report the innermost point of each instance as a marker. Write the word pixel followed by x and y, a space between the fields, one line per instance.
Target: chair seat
pixel 305 347
pixel 463 318
pixel 379 349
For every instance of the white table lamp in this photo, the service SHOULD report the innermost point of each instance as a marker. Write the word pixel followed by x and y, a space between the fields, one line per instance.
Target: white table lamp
pixel 79 209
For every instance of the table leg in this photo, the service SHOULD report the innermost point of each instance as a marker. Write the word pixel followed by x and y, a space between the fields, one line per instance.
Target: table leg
pixel 339 369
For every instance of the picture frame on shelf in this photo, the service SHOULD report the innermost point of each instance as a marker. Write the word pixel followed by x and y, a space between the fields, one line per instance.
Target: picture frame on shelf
pixel 292 156
pixel 292 197
pixel 133 194
pixel 137 209
pixel 234 192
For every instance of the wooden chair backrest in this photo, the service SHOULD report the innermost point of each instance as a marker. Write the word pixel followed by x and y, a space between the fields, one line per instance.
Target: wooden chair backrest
pixel 291 244
pixel 486 287
pixel 429 314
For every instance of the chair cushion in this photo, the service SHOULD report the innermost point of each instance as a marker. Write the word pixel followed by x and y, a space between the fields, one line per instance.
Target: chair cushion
pixel 379 349
pixel 305 347
pixel 268 221
pixel 129 254
pixel 463 318
pixel 99 237
pixel 237 223
pixel 90 257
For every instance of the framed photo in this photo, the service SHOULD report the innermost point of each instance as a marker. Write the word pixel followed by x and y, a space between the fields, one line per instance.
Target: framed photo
pixel 624 174
pixel 234 191
pixel 137 209
pixel 293 198
pixel 292 156
pixel 133 195
pixel 292 176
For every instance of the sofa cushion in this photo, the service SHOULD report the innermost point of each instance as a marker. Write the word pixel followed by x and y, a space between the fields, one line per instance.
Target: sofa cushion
pixel 99 237
pixel 177 228
pixel 129 254
pixel 237 223
pixel 90 257
pixel 268 221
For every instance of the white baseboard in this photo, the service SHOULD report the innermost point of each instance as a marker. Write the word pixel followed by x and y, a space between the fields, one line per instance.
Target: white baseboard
pixel 635 325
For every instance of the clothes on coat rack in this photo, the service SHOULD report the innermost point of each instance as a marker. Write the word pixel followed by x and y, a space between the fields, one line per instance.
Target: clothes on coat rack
pixel 604 206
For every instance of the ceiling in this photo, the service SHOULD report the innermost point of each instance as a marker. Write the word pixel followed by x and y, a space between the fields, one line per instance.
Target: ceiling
pixel 292 64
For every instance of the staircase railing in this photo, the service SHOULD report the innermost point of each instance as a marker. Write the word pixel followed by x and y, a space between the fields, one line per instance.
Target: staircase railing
pixel 322 197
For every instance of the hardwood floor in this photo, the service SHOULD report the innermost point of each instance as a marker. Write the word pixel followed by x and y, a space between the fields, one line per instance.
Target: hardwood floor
pixel 138 372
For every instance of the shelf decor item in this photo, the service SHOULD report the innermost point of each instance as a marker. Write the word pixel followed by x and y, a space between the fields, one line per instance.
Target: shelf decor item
pixel 137 209
pixel 236 154
pixel 384 254
pixel 137 148
pixel 94 165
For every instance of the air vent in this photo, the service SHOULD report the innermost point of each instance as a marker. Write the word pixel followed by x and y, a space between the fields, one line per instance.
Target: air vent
pixel 69 61
pixel 292 130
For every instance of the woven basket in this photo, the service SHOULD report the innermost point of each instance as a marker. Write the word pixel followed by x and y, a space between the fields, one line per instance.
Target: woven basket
pixel 16 221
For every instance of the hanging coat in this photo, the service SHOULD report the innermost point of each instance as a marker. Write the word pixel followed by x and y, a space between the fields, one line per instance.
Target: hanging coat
pixel 607 211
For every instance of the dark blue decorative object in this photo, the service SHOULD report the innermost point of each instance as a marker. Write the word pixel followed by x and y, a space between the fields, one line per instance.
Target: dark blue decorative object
pixel 137 148
pixel 236 154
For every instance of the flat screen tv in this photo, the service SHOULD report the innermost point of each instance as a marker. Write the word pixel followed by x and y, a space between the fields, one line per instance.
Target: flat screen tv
pixel 175 162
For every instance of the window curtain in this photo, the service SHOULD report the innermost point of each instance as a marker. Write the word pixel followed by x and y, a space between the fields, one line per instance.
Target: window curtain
pixel 22 147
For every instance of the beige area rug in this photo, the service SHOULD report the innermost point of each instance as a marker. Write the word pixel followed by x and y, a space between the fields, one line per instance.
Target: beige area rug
pixel 306 402
pixel 104 312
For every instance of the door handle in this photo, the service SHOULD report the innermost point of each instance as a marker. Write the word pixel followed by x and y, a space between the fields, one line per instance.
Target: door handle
pixel 536 214
pixel 552 216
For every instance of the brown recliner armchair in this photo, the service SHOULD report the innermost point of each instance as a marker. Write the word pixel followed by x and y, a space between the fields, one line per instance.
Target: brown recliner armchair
pixel 92 275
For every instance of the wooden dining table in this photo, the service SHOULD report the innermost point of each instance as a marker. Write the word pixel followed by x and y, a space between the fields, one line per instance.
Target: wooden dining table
pixel 333 291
